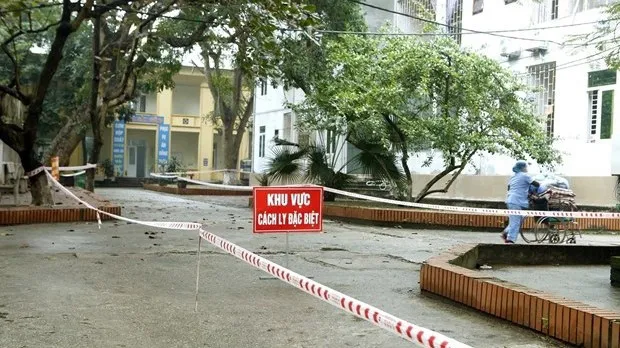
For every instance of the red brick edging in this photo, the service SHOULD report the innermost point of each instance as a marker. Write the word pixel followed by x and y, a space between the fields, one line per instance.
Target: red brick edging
pixel 195 191
pixel 438 218
pixel 570 321
pixel 18 216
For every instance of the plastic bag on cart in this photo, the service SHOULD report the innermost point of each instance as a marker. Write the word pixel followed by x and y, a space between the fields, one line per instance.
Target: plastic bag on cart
pixel 547 180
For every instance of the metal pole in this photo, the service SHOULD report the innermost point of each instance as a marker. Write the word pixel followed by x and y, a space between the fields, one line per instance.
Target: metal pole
pixel 286 251
pixel 198 273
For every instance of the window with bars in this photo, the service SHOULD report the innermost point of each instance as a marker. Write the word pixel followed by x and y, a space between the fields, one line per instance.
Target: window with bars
pixel 416 9
pixel 330 143
pixel 454 16
pixel 263 87
pixel 576 6
pixel 287 130
pixel 546 10
pixel 261 142
pixel 601 86
pixel 139 104
pixel 542 78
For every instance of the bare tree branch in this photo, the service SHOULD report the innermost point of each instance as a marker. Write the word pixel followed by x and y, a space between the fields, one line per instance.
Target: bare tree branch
pixel 131 65
pixel 65 28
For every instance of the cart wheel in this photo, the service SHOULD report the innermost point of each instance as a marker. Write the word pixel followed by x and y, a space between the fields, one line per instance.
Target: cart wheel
pixel 571 240
pixel 554 238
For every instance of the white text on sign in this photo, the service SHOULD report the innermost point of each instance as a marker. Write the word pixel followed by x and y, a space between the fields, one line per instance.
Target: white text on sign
pixel 283 199
pixel 295 218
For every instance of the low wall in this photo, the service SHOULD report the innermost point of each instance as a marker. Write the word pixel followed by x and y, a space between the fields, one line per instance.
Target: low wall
pixel 40 215
pixel 590 190
pixel 449 275
pixel 190 191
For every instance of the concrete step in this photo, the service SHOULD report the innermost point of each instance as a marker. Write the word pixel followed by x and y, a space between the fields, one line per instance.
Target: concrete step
pixel 615 262
pixel 615 275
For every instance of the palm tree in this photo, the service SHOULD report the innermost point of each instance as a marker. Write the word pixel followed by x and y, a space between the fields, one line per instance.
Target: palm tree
pixel 294 163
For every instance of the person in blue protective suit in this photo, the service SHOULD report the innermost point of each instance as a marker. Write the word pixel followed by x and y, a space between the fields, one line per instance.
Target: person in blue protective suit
pixel 517 199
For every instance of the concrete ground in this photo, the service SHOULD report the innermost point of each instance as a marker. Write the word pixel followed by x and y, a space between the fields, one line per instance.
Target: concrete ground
pixel 587 284
pixel 125 285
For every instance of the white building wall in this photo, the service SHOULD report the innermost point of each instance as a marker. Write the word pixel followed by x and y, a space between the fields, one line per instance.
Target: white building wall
pixel 271 106
pixel 581 157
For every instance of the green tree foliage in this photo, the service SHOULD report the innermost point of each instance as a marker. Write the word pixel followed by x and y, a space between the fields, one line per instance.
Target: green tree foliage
pixel 22 23
pixel 240 42
pixel 311 163
pixel 130 58
pixel 605 36
pixel 305 51
pixel 417 95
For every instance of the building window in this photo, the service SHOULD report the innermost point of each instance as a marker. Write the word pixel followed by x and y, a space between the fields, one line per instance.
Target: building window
pixel 602 78
pixel 261 142
pixel 420 11
pixel 478 6
pixel 555 9
pixel 542 78
pixel 454 16
pixel 288 125
pixel 577 6
pixel 545 10
pixel 601 85
pixel 276 134
pixel 139 104
pixel 330 143
pixel 509 1
pixel 263 87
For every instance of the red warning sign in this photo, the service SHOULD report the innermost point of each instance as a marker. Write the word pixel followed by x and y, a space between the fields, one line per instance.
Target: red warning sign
pixel 288 209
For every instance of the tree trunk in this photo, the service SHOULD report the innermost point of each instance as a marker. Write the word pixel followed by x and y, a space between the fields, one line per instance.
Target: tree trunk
pixel 427 188
pixel 404 149
pixel 231 156
pixel 97 114
pixel 452 167
pixel 67 140
pixel 39 186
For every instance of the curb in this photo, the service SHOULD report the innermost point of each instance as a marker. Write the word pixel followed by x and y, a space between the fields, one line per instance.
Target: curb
pixel 18 216
pixel 195 191
pixel 569 321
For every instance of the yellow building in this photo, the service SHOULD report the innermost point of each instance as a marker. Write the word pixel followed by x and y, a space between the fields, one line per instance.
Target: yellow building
pixel 171 123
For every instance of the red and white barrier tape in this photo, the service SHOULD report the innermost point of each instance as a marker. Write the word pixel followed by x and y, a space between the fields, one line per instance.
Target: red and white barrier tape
pixel 73 174
pixel 32 173
pixel 218 186
pixel 163 176
pixel 70 169
pixel 186 226
pixel 207 172
pixel 481 211
pixel 410 332
pixel 437 207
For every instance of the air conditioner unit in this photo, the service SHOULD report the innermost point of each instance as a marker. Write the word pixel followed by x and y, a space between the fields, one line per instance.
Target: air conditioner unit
pixel 510 52
pixel 538 48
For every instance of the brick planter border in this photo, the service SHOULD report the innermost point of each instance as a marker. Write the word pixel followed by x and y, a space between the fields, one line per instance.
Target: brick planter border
pixel 19 216
pixel 445 219
pixel 569 321
pixel 195 191
pixel 429 218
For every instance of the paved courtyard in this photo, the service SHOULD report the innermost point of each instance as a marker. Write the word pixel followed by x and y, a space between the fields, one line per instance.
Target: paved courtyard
pixel 125 285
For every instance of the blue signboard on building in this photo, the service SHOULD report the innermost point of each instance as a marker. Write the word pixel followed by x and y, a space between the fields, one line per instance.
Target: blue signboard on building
pixel 118 147
pixel 163 143
pixel 147 119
